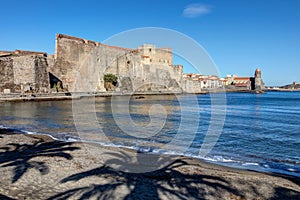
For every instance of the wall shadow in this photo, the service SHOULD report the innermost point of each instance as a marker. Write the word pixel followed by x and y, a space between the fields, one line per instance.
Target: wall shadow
pixel 54 80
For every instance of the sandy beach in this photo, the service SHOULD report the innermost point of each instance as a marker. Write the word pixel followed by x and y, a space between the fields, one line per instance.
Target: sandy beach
pixel 37 167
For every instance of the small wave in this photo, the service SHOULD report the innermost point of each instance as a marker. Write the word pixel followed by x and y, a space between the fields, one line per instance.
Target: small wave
pixel 250 163
pixel 216 158
pixel 63 137
pixel 281 166
pixel 4 127
pixel 10 129
pixel 28 132
pixel 275 160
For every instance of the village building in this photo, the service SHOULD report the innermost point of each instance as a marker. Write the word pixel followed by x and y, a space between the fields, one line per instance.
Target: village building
pixel 233 82
pixel 205 81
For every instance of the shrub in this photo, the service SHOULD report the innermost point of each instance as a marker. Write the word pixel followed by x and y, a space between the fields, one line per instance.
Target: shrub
pixel 111 78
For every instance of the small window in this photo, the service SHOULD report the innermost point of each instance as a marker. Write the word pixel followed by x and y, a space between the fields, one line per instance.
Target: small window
pixel 150 60
pixel 150 50
pixel 128 62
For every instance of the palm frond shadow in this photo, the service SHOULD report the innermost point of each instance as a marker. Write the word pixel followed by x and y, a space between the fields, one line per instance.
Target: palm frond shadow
pixel 146 185
pixel 19 156
pixel 3 197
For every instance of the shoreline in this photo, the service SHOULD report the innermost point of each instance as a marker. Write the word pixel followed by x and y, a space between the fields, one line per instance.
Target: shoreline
pixel 231 164
pixel 68 96
pixel 63 170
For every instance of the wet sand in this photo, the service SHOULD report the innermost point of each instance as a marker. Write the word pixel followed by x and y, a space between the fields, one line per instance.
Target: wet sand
pixel 37 167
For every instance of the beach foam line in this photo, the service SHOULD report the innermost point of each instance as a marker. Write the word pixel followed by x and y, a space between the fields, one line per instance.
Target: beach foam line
pixel 21 131
pixel 216 159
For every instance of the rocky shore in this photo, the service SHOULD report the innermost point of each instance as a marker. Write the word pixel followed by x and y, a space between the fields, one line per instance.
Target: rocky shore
pixel 38 167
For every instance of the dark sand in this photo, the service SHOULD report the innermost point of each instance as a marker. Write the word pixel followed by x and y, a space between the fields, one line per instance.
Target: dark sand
pixel 37 167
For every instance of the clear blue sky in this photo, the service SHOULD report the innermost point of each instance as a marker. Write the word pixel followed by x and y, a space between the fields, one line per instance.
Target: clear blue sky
pixel 239 35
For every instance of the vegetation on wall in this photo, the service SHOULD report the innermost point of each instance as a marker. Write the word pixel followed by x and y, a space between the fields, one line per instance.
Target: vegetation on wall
pixel 110 82
pixel 111 78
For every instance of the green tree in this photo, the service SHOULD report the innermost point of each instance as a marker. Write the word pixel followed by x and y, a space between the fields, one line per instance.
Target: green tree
pixel 111 78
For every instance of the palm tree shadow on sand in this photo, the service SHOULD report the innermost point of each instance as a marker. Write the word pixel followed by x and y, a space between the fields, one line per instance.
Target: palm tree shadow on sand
pixel 19 156
pixel 167 181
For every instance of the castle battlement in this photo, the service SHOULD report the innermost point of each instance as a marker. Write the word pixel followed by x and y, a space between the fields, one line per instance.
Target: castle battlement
pixel 21 53
pixel 85 41
pixel 24 52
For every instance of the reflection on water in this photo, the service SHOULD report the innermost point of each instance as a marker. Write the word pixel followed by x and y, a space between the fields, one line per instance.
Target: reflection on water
pixel 41 117
pixel 57 117
pixel 116 119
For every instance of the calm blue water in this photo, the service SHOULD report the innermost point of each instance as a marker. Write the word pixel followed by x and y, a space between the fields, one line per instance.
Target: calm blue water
pixel 260 132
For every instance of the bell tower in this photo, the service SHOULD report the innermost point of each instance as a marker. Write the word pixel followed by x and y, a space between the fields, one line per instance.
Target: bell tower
pixel 258 83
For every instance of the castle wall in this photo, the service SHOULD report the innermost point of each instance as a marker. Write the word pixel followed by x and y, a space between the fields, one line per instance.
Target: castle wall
pixel 24 73
pixel 6 75
pixel 164 55
pixel 81 64
pixel 148 73
pixel 191 86
pixel 24 70
pixel 41 83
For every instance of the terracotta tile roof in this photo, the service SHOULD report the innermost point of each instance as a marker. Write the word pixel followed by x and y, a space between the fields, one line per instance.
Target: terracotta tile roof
pixel 242 78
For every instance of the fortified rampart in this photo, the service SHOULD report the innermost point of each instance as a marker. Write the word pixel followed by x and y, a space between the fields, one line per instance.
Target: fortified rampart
pixel 23 72
pixel 81 64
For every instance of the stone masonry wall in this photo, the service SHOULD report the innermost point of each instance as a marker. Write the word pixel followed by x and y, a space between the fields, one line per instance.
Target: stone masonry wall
pixel 24 73
pixel 147 71
pixel 81 64
pixel 41 74
pixel 6 74
pixel 191 86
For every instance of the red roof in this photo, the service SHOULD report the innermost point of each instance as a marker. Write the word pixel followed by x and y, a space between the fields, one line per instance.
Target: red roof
pixel 242 78
pixel 241 84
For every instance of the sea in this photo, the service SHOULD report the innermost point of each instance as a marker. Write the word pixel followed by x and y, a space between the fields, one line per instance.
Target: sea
pixel 250 131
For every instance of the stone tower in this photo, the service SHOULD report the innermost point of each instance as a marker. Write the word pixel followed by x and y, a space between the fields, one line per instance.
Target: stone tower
pixel 258 83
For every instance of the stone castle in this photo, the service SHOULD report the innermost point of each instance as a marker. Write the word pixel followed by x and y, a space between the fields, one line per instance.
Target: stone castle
pixel 79 65
pixel 76 60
